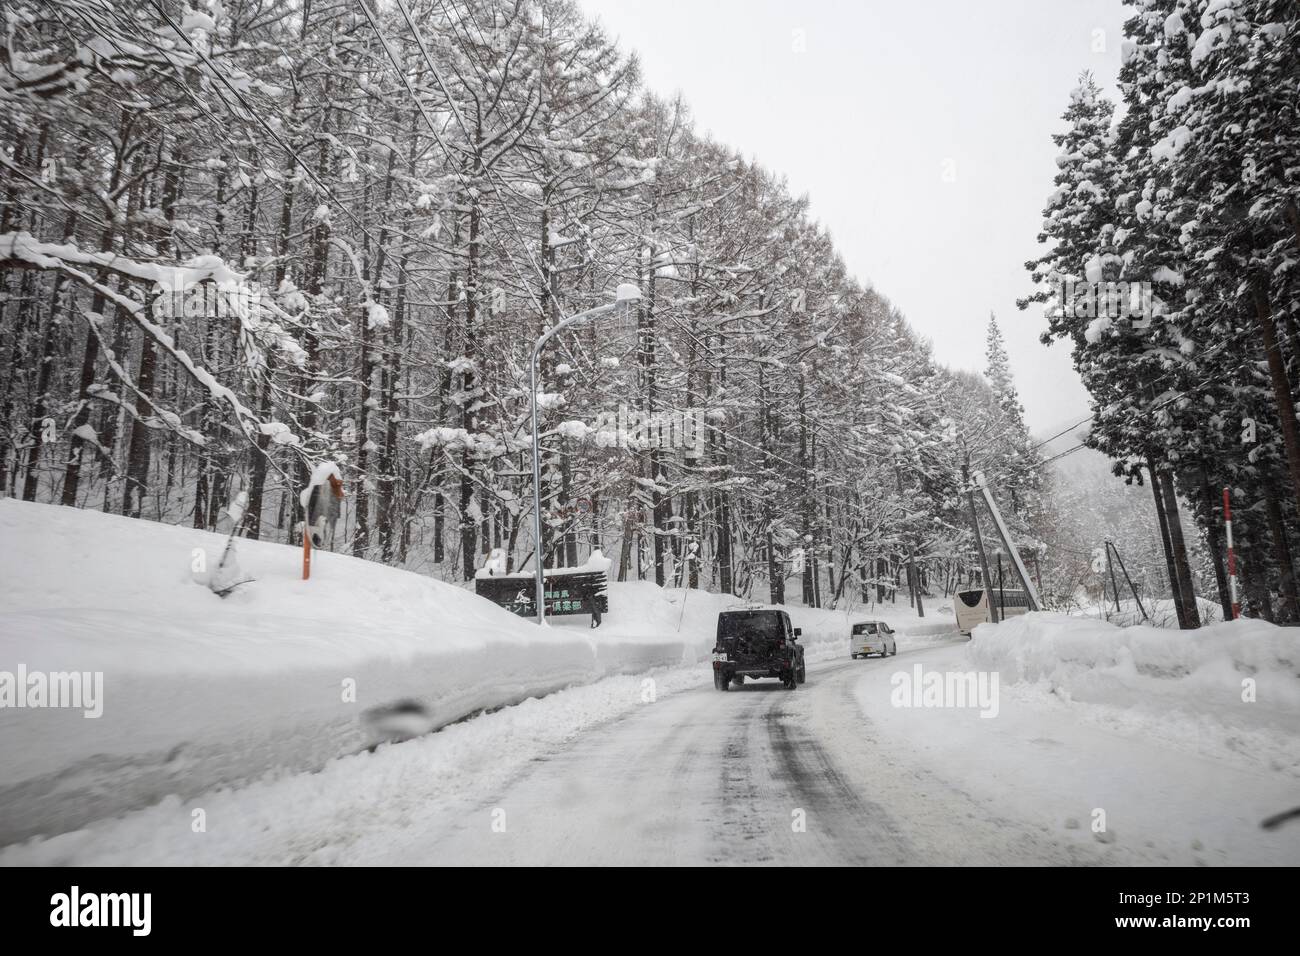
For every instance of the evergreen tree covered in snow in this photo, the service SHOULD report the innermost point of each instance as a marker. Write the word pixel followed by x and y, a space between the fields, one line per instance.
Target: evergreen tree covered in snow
pixel 1194 202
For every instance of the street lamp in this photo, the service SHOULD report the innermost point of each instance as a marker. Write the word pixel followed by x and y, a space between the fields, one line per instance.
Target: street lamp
pixel 624 295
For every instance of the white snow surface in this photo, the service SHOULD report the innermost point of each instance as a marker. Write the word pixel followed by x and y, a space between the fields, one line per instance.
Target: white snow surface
pixel 203 692
pixel 372 807
pixel 1147 725
pixel 596 561
pixel 1231 689
pixel 608 745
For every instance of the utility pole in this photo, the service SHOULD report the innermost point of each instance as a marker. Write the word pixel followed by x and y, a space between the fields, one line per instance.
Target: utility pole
pixel 1171 572
pixel 1131 586
pixel 1030 592
pixel 1114 585
pixel 1002 591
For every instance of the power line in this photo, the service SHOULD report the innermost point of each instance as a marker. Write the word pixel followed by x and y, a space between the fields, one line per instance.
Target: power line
pixel 1177 396
pixel 1058 457
pixel 1059 434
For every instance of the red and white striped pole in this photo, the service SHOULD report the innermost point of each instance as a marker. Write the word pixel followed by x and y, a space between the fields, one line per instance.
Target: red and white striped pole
pixel 1232 555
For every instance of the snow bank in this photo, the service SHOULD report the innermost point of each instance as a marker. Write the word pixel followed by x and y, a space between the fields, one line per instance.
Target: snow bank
pixel 1166 746
pixel 1231 690
pixel 357 810
pixel 1081 657
pixel 201 692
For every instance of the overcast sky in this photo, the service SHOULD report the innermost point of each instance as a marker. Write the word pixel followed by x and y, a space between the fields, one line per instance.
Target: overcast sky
pixel 882 101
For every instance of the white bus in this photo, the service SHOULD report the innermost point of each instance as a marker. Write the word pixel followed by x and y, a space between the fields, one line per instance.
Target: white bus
pixel 972 606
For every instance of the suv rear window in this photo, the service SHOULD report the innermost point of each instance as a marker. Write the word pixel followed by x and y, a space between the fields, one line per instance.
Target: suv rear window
pixel 762 624
pixel 864 628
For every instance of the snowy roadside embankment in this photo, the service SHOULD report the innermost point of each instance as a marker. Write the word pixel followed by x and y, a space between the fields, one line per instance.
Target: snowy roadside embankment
pixel 1163 745
pixel 200 692
pixel 358 808
pixel 1232 688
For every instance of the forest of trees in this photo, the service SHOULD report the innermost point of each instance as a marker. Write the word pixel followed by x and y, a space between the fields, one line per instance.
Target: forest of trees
pixel 1194 190
pixel 246 236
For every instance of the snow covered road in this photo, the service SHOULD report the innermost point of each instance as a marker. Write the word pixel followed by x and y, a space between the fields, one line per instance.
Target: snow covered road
pixel 703 777
pixel 663 769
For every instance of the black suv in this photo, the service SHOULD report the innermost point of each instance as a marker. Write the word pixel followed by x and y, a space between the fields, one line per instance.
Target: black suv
pixel 757 642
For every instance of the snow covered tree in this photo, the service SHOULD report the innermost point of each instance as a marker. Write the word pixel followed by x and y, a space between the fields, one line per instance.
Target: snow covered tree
pixel 240 239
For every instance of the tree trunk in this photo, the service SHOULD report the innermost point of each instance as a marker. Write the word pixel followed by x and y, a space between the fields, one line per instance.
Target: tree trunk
pixel 260 462
pixel 138 442
pixel 1167 546
pixel 1252 581
pixel 46 370
pixel 76 446
pixel 1282 554
pixel 444 403
pixel 137 456
pixel 1281 384
pixel 1215 542
pixel 1186 590
pixel 469 421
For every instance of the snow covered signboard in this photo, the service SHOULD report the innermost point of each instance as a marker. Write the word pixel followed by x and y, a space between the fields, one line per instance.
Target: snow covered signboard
pixel 580 590
pixel 320 501
pixel 583 592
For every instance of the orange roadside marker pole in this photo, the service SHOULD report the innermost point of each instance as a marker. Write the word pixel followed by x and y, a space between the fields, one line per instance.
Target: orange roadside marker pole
pixel 306 553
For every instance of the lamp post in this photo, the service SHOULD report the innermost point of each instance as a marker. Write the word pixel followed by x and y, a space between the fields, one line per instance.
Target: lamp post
pixel 624 295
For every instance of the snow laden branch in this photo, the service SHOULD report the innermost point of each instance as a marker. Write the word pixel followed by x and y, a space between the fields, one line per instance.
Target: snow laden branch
pixel 106 54
pixel 253 313
pixel 376 315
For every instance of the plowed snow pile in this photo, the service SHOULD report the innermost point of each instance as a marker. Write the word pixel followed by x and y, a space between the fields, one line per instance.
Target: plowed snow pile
pixel 1232 687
